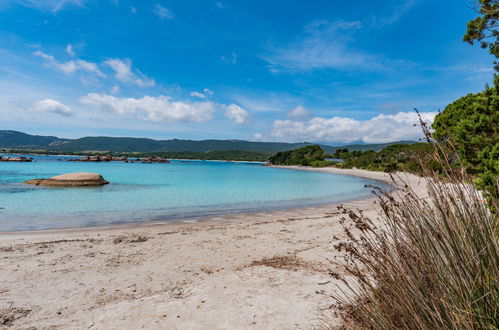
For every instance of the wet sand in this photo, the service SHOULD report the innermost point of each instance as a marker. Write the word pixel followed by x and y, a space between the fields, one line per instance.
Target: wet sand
pixel 265 270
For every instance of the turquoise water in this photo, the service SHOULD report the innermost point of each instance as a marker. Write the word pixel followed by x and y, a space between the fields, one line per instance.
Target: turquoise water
pixel 160 192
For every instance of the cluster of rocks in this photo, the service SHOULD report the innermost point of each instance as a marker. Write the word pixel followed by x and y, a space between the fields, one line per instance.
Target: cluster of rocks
pixel 125 159
pixel 107 158
pixel 70 180
pixel 15 159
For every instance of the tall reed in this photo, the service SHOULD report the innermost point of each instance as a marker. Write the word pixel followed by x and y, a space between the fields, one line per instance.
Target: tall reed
pixel 426 262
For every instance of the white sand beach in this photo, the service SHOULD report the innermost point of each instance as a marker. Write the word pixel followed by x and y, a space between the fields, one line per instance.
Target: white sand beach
pixel 264 270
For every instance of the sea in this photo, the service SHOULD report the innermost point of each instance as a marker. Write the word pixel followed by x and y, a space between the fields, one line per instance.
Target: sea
pixel 175 191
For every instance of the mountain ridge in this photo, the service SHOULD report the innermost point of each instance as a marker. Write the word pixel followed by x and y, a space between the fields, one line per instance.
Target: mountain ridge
pixel 10 139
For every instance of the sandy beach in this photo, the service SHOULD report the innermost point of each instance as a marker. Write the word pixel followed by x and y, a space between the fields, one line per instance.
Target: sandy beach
pixel 264 270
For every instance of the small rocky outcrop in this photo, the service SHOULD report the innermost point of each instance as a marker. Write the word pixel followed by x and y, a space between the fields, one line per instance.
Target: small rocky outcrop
pixel 71 180
pixel 150 160
pixel 15 159
pixel 97 158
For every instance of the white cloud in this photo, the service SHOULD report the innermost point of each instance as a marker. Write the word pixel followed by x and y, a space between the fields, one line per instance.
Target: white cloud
pixel 197 94
pixel 206 93
pixel 237 114
pixel 257 137
pixel 162 12
pixel 298 113
pixel 156 109
pixel 123 72
pixel 324 44
pixel 70 51
pixel 115 89
pixel 379 129
pixel 88 66
pixel 53 106
pixel 72 66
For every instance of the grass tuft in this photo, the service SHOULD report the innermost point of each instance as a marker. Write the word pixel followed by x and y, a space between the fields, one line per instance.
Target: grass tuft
pixel 428 262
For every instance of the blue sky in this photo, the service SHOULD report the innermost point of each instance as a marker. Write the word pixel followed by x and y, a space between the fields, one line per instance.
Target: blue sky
pixel 320 71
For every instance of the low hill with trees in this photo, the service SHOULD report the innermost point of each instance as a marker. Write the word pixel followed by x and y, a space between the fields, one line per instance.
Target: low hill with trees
pixel 306 156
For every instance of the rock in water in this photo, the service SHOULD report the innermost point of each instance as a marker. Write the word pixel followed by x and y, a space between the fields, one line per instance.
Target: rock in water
pixel 70 180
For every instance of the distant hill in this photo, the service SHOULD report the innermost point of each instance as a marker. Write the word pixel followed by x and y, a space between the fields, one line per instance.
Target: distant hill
pixel 19 140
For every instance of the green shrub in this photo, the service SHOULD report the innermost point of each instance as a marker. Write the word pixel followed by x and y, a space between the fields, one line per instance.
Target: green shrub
pixel 321 163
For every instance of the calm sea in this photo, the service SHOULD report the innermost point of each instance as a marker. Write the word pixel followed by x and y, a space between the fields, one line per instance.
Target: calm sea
pixel 160 192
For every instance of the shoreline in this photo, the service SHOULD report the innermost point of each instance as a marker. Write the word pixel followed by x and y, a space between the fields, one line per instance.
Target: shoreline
pixel 261 270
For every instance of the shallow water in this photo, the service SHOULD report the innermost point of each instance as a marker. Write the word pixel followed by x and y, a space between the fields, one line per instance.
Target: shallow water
pixel 160 192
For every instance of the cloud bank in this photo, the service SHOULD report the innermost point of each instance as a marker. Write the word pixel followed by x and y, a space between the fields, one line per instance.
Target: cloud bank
pixel 379 129
pixel 155 109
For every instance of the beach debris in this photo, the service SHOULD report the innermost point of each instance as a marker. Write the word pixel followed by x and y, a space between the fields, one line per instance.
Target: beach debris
pixel 15 159
pixel 82 179
pixel 130 239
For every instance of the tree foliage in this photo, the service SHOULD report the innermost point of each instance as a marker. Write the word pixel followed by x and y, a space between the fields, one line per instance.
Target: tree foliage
pixel 471 125
pixel 305 156
pixel 397 157
pixel 483 29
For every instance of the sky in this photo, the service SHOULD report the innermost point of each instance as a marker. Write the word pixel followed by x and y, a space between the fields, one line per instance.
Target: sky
pixel 334 72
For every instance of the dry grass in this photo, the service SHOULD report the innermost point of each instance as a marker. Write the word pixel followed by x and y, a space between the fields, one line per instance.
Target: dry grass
pixel 430 262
